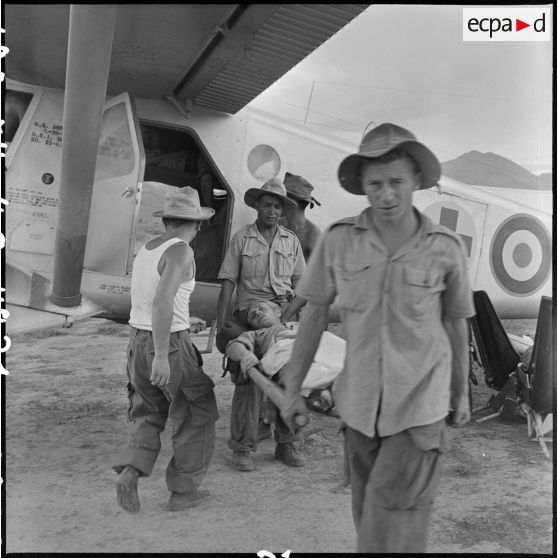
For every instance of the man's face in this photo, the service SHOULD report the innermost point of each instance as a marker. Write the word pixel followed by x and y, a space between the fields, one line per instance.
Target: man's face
pixel 269 209
pixel 262 315
pixel 389 188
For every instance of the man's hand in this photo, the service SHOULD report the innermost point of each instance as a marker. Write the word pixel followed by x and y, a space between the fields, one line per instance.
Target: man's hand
pixel 197 325
pixel 461 413
pixel 291 295
pixel 290 312
pixel 248 360
pixel 160 370
pixel 293 406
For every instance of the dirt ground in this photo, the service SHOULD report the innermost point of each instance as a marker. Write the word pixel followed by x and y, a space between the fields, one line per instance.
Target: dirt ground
pixel 65 421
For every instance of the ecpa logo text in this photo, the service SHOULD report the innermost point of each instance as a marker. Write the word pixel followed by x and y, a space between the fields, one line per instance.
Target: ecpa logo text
pixel 506 24
pixel 494 24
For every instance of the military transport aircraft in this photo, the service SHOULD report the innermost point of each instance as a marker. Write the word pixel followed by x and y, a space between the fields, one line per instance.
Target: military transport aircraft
pixel 176 112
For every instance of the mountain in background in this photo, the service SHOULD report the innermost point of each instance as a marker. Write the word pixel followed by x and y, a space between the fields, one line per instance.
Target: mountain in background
pixel 489 169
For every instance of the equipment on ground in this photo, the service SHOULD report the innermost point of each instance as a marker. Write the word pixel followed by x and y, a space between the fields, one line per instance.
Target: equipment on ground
pixel 525 383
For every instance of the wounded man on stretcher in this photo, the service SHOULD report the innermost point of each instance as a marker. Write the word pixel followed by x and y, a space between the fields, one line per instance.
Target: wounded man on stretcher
pixel 268 348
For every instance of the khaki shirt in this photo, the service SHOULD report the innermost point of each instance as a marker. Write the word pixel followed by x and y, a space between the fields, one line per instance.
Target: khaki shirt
pixel 398 362
pixel 259 341
pixel 262 272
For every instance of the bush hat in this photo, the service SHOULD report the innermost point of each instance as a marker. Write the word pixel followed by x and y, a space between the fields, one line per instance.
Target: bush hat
pixel 273 187
pixel 299 188
pixel 183 203
pixel 379 141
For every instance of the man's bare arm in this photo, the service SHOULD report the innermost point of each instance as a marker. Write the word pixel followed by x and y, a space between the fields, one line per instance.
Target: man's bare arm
pixel 177 262
pixel 458 334
pixel 312 325
pixel 225 295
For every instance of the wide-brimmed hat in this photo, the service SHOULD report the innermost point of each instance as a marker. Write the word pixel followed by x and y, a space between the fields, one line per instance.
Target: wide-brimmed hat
pixel 299 188
pixel 379 141
pixel 183 203
pixel 273 187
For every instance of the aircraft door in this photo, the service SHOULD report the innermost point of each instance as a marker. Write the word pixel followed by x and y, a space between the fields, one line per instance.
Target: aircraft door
pixel 120 163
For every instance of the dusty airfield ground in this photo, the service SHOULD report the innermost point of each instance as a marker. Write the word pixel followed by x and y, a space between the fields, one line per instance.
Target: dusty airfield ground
pixel 65 421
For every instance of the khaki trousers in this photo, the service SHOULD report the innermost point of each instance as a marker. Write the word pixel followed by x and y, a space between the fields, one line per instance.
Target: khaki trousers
pixel 188 400
pixel 393 484
pixel 245 416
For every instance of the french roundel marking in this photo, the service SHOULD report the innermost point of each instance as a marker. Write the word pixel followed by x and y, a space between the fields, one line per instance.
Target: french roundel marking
pixel 520 255
pixel 263 162
pixel 456 219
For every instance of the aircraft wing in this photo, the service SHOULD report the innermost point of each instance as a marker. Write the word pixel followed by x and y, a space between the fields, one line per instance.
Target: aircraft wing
pixel 30 308
pixel 24 320
pixel 219 56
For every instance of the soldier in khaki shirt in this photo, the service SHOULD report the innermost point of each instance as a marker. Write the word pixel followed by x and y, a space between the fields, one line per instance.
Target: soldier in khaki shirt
pixel 264 261
pixel 404 294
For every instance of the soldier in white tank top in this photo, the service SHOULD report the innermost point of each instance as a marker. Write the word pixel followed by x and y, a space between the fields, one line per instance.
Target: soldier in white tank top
pixel 164 367
pixel 145 278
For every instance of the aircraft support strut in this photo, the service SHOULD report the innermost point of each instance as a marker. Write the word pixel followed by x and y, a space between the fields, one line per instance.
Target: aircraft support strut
pixel 89 50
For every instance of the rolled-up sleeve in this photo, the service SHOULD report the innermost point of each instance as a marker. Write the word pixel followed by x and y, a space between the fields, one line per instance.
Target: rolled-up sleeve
pixel 317 283
pixel 230 268
pixel 247 339
pixel 457 298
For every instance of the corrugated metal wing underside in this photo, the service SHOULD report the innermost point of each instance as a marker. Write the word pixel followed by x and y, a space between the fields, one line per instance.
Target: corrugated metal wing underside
pixel 286 38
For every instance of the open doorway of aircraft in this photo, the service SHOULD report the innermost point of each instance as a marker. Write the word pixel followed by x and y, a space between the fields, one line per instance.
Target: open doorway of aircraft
pixel 164 99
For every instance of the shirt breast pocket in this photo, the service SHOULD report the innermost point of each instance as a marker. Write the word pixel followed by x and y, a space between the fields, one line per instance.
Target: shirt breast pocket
pixel 284 262
pixel 353 280
pixel 252 263
pixel 421 291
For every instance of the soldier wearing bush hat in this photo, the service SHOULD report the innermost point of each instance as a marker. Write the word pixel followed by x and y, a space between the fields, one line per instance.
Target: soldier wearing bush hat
pixel 299 188
pixel 380 141
pixel 300 191
pixel 162 371
pixel 274 188
pixel 402 284
pixel 264 262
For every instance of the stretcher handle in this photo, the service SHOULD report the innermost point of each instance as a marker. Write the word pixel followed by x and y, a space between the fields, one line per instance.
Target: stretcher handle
pixel 274 392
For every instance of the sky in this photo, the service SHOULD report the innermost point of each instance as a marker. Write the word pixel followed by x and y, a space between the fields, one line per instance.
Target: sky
pixel 408 64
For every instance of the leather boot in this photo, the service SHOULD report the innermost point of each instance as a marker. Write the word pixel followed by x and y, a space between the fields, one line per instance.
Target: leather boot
pixel 242 461
pixel 288 454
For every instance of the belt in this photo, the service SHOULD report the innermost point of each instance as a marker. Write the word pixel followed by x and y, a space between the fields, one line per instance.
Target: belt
pixel 135 331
